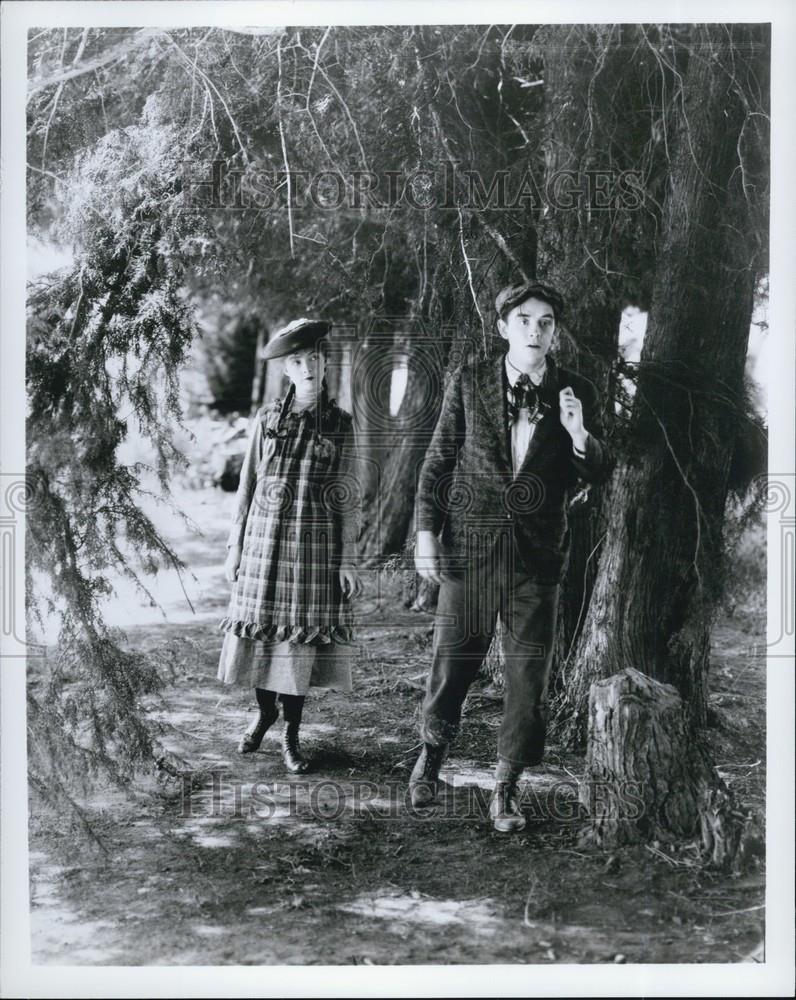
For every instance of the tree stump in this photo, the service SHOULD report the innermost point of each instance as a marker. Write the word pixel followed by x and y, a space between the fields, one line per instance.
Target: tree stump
pixel 649 779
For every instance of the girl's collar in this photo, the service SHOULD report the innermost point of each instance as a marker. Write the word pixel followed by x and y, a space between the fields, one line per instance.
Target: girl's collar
pixel 322 401
pixel 287 402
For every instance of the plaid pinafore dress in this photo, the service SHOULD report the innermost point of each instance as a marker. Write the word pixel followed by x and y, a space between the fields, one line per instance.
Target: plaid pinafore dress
pixel 288 625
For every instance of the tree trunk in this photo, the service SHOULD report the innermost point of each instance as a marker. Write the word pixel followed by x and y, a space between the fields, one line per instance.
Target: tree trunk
pixel 660 570
pixel 578 582
pixel 258 383
pixel 369 407
pixel 396 446
pixel 647 780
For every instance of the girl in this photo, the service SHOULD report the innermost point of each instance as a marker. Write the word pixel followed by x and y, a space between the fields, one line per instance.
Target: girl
pixel 290 548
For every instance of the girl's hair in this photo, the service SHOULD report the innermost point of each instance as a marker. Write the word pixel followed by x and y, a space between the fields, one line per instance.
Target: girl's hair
pixel 325 402
pixel 321 345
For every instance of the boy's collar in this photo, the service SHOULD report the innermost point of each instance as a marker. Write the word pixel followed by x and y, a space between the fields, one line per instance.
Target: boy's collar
pixel 513 373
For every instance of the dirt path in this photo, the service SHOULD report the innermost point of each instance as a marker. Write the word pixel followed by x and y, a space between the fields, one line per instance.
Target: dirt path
pixel 247 865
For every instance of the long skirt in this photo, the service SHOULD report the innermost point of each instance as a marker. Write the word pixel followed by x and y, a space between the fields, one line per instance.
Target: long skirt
pixel 284 666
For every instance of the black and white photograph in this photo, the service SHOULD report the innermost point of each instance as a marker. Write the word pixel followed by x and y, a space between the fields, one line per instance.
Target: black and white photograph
pixel 397 499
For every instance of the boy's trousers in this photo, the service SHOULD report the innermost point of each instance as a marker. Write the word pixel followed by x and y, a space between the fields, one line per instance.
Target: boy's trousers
pixel 466 615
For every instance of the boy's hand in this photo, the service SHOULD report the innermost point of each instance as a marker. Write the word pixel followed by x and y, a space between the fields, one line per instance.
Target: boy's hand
pixel 572 417
pixel 427 557
pixel 350 583
pixel 232 563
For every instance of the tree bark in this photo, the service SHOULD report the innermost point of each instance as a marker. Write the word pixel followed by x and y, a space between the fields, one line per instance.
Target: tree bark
pixel 660 570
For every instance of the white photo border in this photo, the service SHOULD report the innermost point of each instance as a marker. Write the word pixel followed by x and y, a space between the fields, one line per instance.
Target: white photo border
pixel 772 977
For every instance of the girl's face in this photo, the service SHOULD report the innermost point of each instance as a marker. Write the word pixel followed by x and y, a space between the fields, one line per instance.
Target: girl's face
pixel 305 369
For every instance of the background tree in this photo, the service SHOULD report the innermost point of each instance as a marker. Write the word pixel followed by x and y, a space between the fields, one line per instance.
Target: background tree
pixel 670 489
pixel 106 338
pixel 230 362
pixel 661 572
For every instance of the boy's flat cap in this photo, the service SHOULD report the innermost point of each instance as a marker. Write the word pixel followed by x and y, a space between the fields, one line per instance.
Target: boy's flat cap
pixel 296 336
pixel 514 295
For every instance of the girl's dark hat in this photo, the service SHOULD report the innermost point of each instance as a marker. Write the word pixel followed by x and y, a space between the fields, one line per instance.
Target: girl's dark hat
pixel 296 336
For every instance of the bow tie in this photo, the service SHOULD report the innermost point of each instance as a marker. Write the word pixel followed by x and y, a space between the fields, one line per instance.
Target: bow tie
pixel 523 394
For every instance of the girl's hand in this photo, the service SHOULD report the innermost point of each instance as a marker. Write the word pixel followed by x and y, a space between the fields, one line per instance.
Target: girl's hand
pixel 232 563
pixel 350 583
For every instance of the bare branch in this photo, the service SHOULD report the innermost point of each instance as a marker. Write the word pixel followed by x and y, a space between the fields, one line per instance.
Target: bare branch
pixel 347 111
pixel 470 276
pixel 209 83
pixel 284 148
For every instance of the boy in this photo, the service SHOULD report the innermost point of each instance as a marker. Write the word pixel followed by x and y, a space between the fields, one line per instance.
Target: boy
pixel 514 434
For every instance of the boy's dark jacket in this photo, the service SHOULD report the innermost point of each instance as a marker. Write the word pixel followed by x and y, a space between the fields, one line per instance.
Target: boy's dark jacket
pixel 466 488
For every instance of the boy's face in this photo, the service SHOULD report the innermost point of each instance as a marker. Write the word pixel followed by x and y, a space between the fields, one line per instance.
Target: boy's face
pixel 306 369
pixel 529 329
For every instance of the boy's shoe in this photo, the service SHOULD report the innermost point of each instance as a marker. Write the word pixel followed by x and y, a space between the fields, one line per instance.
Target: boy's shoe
pixel 504 809
pixel 425 775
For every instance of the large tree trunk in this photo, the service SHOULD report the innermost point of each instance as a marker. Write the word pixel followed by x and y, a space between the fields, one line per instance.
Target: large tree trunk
pixel 394 446
pixel 370 407
pixel 660 569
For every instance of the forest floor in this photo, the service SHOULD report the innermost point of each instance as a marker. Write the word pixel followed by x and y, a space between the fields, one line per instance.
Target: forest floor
pixel 246 865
